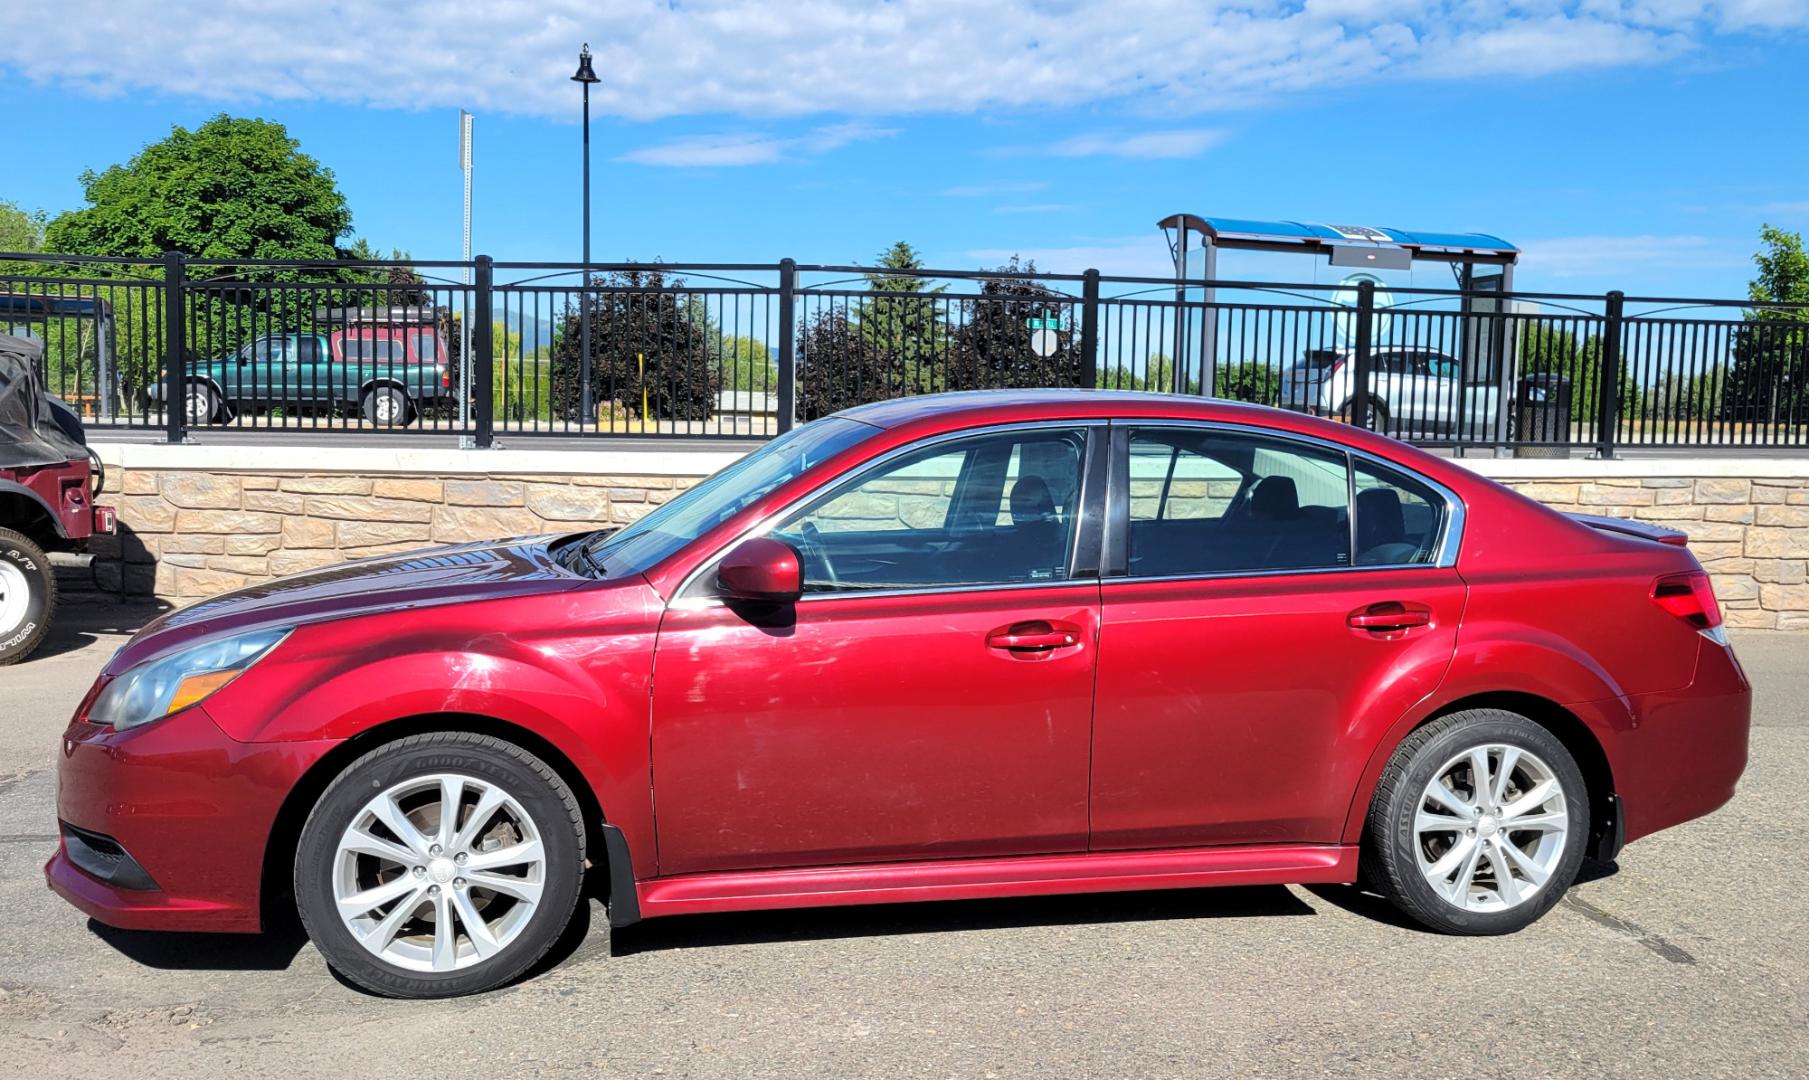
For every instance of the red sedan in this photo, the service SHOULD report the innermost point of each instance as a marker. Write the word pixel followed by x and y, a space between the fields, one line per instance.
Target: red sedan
pixel 997 644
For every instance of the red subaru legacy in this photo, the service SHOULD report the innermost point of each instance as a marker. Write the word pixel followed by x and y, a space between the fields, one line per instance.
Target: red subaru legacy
pixel 970 645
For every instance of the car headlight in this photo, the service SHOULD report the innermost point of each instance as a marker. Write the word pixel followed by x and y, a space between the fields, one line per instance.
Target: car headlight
pixel 169 684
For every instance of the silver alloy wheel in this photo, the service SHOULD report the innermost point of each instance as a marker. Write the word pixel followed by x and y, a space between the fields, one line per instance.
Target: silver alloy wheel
pixel 388 409
pixel 1490 828
pixel 15 597
pixel 431 890
pixel 200 405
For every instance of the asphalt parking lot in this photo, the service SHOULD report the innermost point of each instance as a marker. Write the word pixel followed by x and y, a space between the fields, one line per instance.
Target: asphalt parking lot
pixel 1690 958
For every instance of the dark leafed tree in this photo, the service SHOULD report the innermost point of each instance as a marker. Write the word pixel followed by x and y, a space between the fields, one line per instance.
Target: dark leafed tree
pixel 991 348
pixel 840 367
pixel 646 337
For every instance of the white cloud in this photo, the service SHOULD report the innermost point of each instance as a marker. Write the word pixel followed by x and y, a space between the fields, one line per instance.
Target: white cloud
pixel 1608 256
pixel 702 151
pixel 1035 208
pixel 1148 144
pixel 850 57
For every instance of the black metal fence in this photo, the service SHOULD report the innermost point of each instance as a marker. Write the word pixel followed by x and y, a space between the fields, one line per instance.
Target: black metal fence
pixel 482 349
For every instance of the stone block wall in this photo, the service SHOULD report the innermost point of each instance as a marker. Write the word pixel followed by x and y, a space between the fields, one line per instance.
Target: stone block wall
pixel 1750 533
pixel 186 535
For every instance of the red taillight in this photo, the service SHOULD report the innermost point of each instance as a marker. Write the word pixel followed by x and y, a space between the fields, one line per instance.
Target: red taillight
pixel 1690 597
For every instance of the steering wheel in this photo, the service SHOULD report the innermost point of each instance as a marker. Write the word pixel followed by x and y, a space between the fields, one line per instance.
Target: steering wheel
pixel 810 540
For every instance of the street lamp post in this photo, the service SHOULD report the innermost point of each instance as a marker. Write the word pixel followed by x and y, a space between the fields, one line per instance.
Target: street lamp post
pixel 587 405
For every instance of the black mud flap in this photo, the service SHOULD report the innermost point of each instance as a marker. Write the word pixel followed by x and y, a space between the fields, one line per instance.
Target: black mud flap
pixel 624 903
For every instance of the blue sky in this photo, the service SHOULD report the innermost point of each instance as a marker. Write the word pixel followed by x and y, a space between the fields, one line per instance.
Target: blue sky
pixel 1633 145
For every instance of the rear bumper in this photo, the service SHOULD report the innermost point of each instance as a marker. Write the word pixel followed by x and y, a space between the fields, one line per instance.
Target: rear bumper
pixel 188 807
pixel 1686 750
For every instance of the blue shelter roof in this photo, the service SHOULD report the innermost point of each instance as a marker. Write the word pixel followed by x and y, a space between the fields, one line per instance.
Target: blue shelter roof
pixel 1229 231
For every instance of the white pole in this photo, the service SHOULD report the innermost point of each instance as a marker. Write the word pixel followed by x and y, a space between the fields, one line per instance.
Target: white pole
pixel 465 122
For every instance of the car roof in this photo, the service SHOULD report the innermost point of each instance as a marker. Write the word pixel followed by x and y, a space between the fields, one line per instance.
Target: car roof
pixel 928 414
pixel 965 407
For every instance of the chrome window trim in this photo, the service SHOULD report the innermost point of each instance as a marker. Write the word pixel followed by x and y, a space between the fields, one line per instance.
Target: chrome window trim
pixel 681 596
pixel 1451 529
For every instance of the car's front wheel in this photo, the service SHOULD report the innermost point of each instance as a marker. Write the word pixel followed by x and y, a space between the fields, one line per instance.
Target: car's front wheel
pixel 440 864
pixel 1478 823
pixel 200 404
pixel 28 596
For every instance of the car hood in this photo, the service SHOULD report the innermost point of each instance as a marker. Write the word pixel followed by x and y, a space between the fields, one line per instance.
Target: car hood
pixel 443 575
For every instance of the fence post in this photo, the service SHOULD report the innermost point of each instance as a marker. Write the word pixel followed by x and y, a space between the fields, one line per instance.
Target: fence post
pixel 787 404
pixel 483 358
pixel 175 350
pixel 1089 330
pixel 1366 320
pixel 1608 396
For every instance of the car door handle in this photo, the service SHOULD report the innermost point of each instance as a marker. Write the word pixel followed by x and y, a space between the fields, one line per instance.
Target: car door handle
pixel 1034 636
pixel 1389 615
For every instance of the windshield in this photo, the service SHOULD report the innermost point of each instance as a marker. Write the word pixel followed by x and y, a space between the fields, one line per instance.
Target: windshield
pixel 645 543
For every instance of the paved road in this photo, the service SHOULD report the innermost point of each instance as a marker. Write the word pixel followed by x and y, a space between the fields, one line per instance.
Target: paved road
pixel 1691 959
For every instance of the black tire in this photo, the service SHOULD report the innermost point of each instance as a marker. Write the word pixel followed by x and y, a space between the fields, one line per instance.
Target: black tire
pixel 1390 856
pixel 1378 415
pixel 386 406
pixel 539 790
pixel 201 404
pixel 24 562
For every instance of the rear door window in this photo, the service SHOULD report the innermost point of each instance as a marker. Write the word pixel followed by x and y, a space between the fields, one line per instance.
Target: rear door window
pixel 1215 502
pixel 1399 519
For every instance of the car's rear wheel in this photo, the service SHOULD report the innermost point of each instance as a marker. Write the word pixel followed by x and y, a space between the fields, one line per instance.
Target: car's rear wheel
pixel 1478 823
pixel 441 864
pixel 28 596
pixel 1378 414
pixel 386 406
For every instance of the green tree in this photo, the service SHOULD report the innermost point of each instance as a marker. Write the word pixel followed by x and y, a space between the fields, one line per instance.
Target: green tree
pixel 1251 380
pixel 750 365
pixel 903 319
pixel 1547 346
pixel 1769 380
pixel 233 188
pixel 20 230
pixel 1677 396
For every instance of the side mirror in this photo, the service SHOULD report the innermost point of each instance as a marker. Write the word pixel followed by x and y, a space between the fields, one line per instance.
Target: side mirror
pixel 762 570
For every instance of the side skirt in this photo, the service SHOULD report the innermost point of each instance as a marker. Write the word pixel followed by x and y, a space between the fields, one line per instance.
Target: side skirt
pixel 1023 875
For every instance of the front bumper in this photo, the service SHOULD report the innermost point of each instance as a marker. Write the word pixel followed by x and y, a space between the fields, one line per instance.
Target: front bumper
pixel 186 807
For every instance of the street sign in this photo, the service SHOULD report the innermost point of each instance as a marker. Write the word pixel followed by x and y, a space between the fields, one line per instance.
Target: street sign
pixel 1045 341
pixel 1044 322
